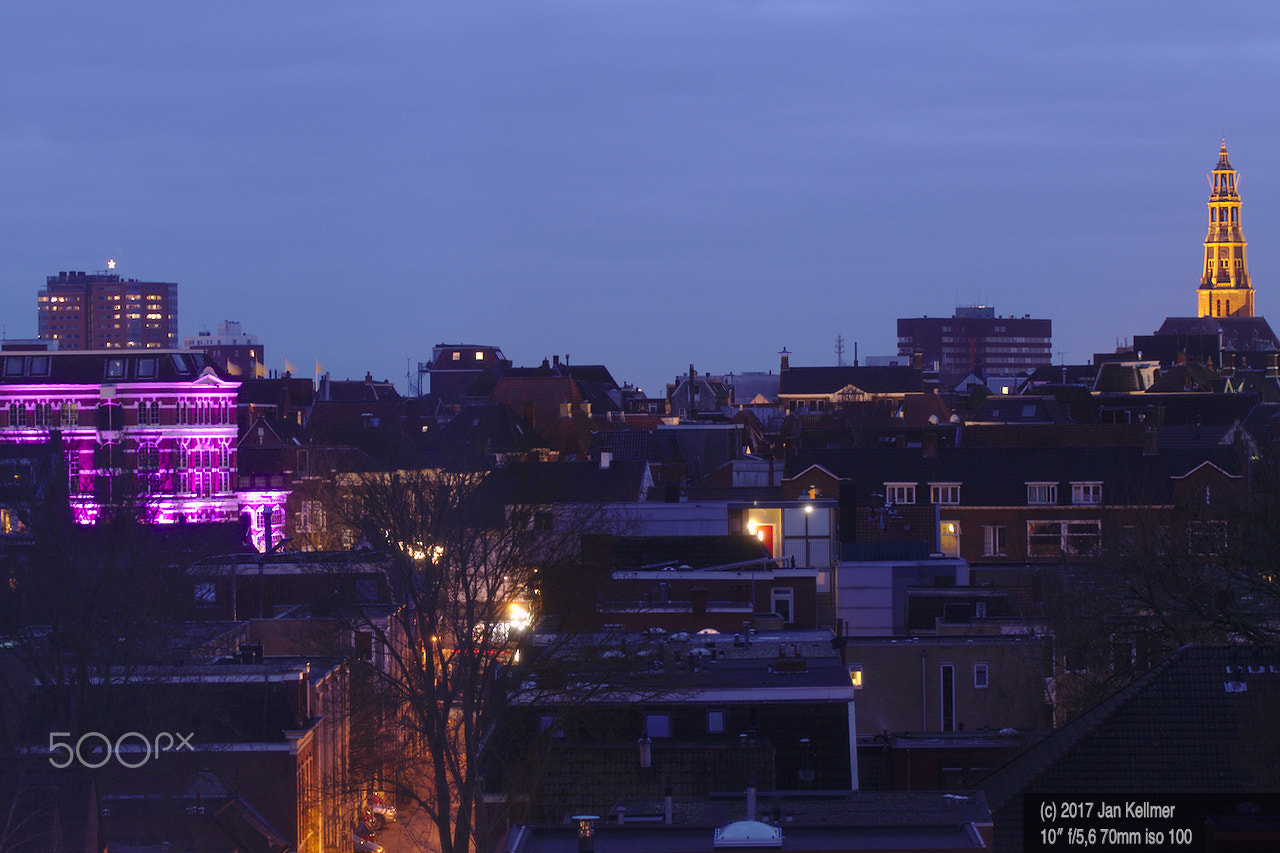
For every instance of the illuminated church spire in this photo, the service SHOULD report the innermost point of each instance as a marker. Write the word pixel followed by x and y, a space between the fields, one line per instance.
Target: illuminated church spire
pixel 1225 290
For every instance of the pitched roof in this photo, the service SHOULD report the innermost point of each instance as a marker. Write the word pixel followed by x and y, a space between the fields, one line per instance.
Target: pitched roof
pixel 809 381
pixel 997 476
pixel 1200 723
pixel 697 552
pixel 1243 334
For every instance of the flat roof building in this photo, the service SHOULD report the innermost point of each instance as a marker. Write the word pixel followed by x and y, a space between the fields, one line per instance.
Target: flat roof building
pixel 974 335
pixel 89 311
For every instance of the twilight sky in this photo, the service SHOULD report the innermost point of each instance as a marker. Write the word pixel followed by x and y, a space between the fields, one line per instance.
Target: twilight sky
pixel 639 184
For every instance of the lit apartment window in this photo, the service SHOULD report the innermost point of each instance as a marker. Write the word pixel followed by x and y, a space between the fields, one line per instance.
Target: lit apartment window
pixel 1042 493
pixel 479 355
pixel 1089 494
pixel 900 493
pixel 855 675
pixel 944 493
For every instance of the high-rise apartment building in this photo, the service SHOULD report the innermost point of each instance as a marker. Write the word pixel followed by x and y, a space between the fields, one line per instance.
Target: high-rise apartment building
pixel 1225 289
pixel 87 311
pixel 976 336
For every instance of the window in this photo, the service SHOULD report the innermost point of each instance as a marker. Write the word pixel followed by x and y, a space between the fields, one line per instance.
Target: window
pixel 70 414
pixel 17 415
pixel 657 725
pixel 1051 538
pixel 1089 494
pixel 546 722
pixel 993 540
pixel 855 675
pixel 73 471
pixel 782 602
pixel 981 675
pixel 944 493
pixel 900 493
pixel 13 366
pixel 311 517
pixel 115 368
pixel 457 356
pixel 206 593
pixel 155 413
pixel 1206 538
pixel 479 355
pixel 40 365
pixel 715 722
pixel 947 697
pixel 806 535
pixel 1042 493
pixel 146 368
pixel 544 521
pixel 949 538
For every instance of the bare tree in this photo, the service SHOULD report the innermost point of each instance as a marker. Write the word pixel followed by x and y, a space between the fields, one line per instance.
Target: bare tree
pixel 464 558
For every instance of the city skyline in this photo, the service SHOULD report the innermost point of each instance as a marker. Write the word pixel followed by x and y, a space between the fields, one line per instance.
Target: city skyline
pixel 639 186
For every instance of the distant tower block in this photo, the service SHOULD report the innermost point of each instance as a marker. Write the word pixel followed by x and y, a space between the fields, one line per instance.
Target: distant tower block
pixel 1225 290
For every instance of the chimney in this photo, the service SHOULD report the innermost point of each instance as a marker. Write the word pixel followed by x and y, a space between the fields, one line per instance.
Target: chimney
pixel 1228 364
pixel 368 378
pixel 698 600
pixel 555 359
pixel 586 832
pixel 606 459
pixel 667 816
pixel 929 444
pixel 751 800
pixel 786 360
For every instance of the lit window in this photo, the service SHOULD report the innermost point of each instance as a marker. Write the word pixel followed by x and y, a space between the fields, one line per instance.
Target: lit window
pixel 1089 494
pixel 457 356
pixel 479 355
pixel 855 675
pixel 900 493
pixel 1042 493
pixel 981 675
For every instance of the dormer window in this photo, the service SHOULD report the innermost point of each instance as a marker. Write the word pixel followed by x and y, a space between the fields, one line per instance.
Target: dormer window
pixel 944 493
pixel 1042 494
pixel 900 493
pixel 1086 494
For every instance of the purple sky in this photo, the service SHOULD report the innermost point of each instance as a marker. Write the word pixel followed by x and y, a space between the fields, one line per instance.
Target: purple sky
pixel 641 184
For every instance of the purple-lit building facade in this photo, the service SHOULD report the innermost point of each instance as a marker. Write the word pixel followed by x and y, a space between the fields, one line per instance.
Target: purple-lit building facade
pixel 157 423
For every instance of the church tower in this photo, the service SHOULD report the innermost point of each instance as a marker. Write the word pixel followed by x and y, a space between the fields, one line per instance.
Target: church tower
pixel 1225 290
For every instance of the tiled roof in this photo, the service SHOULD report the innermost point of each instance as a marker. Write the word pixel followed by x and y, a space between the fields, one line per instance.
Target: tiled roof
pixel 1200 723
pixel 697 552
pixel 997 476
pixel 567 482
pixel 1243 334
pixel 829 380
pixel 636 445
pixel 493 429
